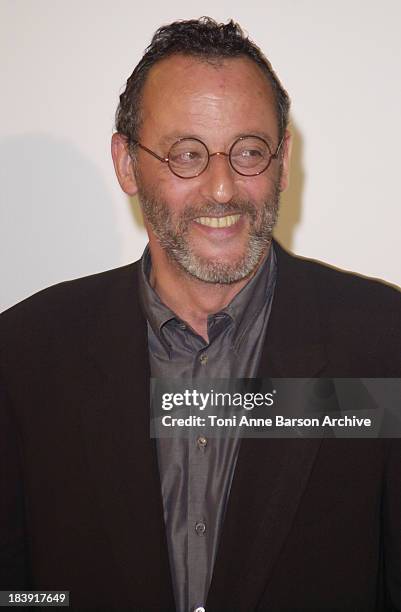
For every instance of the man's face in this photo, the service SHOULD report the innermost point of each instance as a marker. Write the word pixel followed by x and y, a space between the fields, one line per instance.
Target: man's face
pixel 184 97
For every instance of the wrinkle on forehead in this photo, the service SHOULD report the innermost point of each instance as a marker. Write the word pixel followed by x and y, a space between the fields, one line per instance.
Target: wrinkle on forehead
pixel 204 93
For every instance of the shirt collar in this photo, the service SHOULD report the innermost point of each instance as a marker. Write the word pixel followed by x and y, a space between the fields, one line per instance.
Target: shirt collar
pixel 248 302
pixel 156 312
pixel 242 310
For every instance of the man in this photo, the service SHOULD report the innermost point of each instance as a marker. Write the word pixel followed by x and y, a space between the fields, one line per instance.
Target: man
pixel 92 504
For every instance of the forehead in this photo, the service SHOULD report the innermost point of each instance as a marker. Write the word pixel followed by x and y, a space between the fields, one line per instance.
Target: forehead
pixel 185 96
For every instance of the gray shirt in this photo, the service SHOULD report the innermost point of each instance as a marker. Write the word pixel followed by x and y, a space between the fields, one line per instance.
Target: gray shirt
pixel 196 473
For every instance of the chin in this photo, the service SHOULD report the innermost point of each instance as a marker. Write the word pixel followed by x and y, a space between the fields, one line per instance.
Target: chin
pixel 225 271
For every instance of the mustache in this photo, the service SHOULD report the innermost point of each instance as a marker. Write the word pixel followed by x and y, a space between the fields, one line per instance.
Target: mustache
pixel 211 209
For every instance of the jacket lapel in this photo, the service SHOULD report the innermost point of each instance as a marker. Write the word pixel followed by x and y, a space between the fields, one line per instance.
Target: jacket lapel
pixel 116 423
pixel 294 345
pixel 270 477
pixel 271 474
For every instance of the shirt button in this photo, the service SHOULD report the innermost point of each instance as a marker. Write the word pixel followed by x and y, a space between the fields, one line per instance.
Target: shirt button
pixel 203 359
pixel 200 528
pixel 202 441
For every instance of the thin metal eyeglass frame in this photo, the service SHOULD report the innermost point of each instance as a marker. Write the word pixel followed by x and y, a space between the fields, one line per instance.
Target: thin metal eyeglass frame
pixel 166 160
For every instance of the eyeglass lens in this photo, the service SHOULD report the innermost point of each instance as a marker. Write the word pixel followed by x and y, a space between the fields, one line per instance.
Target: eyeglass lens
pixel 249 156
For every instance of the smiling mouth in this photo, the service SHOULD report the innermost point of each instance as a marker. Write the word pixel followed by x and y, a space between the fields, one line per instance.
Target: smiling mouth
pixel 218 222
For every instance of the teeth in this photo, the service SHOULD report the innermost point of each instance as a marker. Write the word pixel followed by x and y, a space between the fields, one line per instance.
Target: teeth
pixel 218 221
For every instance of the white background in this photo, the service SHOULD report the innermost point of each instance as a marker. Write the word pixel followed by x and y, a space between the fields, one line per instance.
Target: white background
pixel 63 65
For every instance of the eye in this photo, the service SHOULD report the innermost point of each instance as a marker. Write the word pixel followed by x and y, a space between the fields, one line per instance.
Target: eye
pixel 187 152
pixel 248 156
pixel 251 153
pixel 185 157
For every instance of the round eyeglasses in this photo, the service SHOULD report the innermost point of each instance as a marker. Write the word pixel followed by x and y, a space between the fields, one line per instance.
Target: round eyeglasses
pixel 189 157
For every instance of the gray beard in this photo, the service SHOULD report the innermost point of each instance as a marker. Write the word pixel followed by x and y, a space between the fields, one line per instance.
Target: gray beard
pixel 173 236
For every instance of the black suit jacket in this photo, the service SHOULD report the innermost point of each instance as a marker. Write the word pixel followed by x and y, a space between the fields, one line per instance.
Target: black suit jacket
pixel 310 524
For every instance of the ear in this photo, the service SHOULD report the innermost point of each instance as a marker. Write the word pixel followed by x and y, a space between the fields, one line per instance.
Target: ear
pixel 123 164
pixel 286 155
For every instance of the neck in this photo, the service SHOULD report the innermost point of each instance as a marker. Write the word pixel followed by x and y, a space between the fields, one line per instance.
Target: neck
pixel 190 299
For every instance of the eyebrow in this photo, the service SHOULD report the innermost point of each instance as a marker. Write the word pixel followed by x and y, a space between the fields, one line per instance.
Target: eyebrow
pixel 172 137
pixel 176 135
pixel 259 133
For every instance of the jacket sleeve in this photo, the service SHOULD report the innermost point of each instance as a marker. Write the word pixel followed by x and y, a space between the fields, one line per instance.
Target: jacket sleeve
pixel 13 549
pixel 392 525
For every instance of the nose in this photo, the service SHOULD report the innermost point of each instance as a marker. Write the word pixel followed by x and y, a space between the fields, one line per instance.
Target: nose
pixel 218 181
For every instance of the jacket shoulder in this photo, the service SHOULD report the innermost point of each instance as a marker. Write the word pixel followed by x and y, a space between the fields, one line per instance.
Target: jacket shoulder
pixel 340 287
pixel 358 317
pixel 72 302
